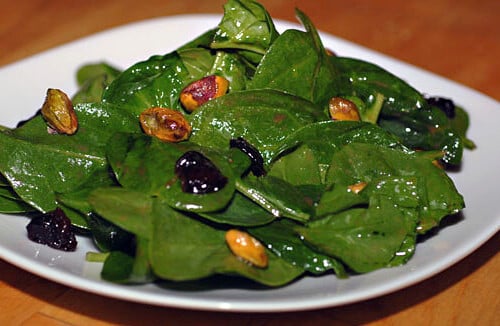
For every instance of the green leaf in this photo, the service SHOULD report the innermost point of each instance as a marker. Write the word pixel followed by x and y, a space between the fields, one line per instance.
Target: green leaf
pixel 307 72
pixel 314 145
pixel 156 82
pixel 438 195
pixel 143 163
pixel 240 212
pixel 262 117
pixel 364 239
pixel 120 267
pixel 405 111
pixel 92 80
pixel 14 206
pixel 183 248
pixel 277 196
pixel 78 199
pixel 247 27
pixel 128 209
pixel 201 62
pixel 39 164
pixel 281 238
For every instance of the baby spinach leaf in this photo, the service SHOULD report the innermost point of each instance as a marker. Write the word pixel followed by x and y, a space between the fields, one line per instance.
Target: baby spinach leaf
pixel 314 145
pixel 155 82
pixel 460 123
pixel 92 80
pixel 262 117
pixel 277 196
pixel 120 267
pixel 404 112
pixel 281 238
pixel 108 236
pixel 13 206
pixel 201 41
pixel 202 62
pixel 146 164
pixel 308 172
pixel 246 27
pixel 366 163
pixel 39 164
pixel 364 239
pixel 78 199
pixel 240 212
pixel 130 210
pixel 307 71
pixel 183 248
pixel 143 163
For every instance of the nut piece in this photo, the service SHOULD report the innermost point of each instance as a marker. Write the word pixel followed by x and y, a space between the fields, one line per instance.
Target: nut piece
pixel 356 188
pixel 343 109
pixel 244 246
pixel 58 112
pixel 165 124
pixel 203 90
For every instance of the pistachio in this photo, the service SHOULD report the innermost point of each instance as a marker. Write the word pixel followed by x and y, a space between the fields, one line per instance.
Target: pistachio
pixel 246 247
pixel 357 187
pixel 343 109
pixel 203 90
pixel 165 124
pixel 58 112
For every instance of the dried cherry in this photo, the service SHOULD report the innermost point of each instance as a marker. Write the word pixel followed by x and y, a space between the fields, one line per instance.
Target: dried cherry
pixel 53 229
pixel 257 162
pixel 444 104
pixel 198 175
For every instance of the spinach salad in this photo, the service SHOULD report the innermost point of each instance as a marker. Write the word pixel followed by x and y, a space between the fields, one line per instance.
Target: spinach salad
pixel 263 162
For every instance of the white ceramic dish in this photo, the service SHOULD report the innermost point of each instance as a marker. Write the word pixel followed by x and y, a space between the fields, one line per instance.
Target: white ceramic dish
pixel 23 86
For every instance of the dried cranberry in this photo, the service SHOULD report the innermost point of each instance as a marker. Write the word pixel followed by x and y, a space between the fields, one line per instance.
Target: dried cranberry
pixel 53 229
pixel 444 104
pixel 198 175
pixel 257 165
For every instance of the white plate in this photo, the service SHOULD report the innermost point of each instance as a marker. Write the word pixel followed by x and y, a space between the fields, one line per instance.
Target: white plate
pixel 22 91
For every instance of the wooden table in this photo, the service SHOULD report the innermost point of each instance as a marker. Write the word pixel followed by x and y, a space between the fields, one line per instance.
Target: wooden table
pixel 457 39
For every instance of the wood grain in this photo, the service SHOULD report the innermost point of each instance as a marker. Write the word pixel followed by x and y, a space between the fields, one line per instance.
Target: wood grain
pixel 456 39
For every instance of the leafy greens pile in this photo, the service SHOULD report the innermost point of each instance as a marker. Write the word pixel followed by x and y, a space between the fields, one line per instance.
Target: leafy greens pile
pixel 118 184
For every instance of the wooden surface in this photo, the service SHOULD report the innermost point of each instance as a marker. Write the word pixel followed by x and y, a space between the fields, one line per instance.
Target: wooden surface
pixel 457 39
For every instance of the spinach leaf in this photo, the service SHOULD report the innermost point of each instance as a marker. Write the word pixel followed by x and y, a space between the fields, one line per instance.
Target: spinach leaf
pixel 92 80
pixel 307 71
pixel 277 196
pixel 120 267
pixel 246 27
pixel 202 62
pixel 155 82
pixel 130 210
pixel 262 117
pixel 240 212
pixel 404 111
pixel 460 123
pixel 12 205
pixel 314 144
pixel 201 41
pixel 78 199
pixel 108 236
pixel 39 164
pixel 437 194
pixel 183 248
pixel 364 239
pixel 144 163
pixel 281 238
